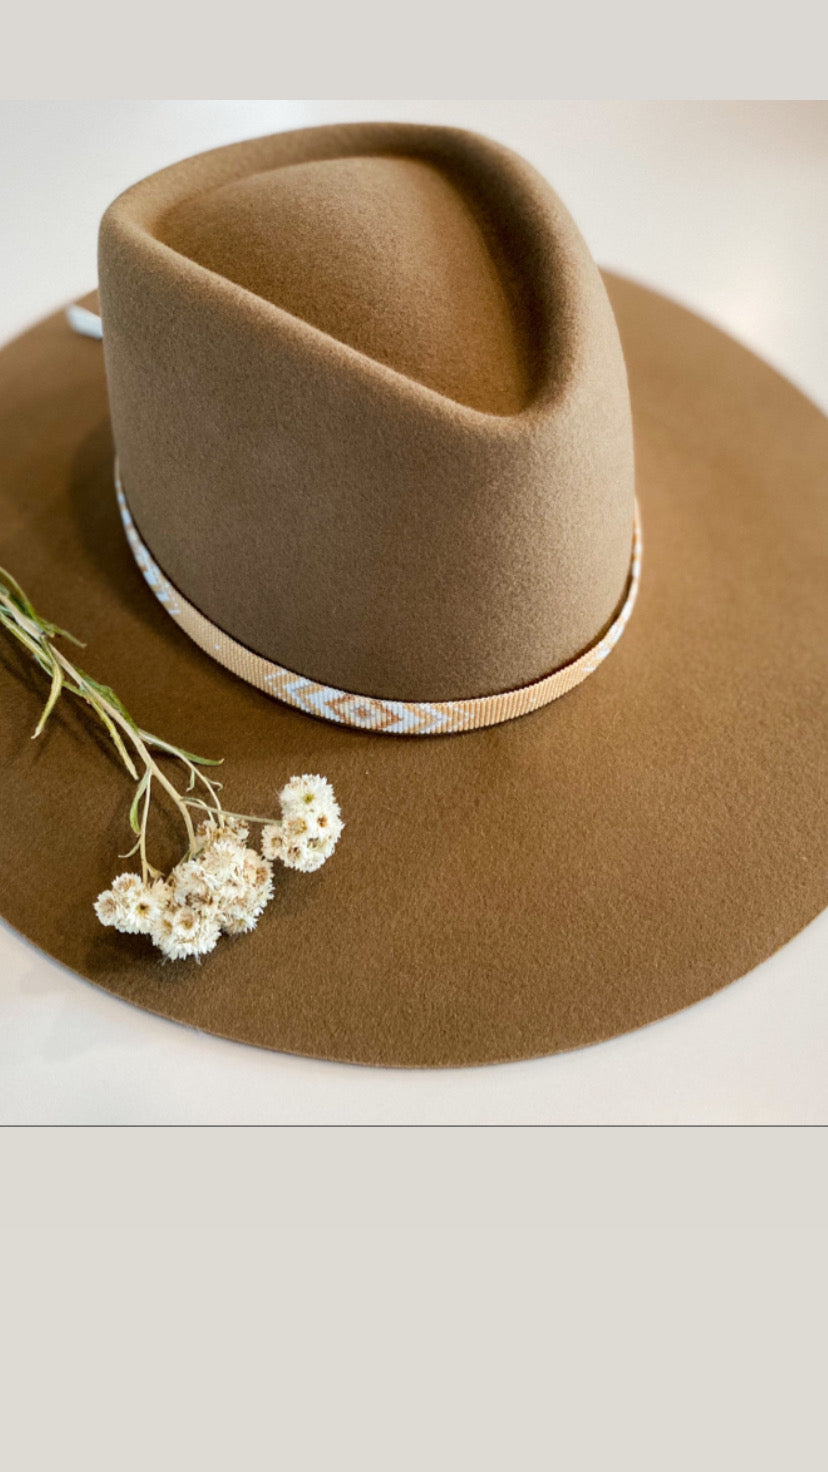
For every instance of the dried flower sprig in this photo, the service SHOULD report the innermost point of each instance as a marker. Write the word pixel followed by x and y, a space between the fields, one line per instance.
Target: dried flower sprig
pixel 220 885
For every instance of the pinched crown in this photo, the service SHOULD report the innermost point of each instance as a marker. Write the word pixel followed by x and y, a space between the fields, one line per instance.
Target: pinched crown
pixel 371 408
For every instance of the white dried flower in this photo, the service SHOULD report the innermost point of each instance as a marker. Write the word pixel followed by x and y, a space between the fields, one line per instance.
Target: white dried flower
pixel 212 829
pixel 329 824
pixel 222 861
pixel 261 886
pixel 239 921
pixel 319 851
pixel 228 895
pixel 154 898
pixel 107 907
pixel 221 884
pixel 126 884
pixel 238 883
pixel 183 932
pixel 307 855
pixel 161 932
pixel 190 884
pixel 310 827
pixel 308 795
pixel 234 828
pixel 243 915
pixel 130 905
pixel 258 883
pixel 205 831
pixel 273 840
pixel 257 873
pixel 299 829
pixel 294 856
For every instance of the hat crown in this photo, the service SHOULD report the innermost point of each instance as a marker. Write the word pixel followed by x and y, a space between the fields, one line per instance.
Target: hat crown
pixel 371 407
pixel 383 253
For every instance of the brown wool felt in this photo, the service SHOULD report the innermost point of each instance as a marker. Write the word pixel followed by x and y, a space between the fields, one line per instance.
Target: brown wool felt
pixel 514 891
pixel 333 511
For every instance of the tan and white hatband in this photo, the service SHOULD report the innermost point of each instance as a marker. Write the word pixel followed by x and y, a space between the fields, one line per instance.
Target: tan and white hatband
pixel 368 712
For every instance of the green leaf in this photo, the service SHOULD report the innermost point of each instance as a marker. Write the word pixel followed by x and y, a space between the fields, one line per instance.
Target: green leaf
pixel 64 634
pixel 113 731
pixel 108 694
pixel 203 761
pixel 57 686
pixel 134 820
pixel 187 756
pixel 29 643
pixel 179 751
pixel 17 594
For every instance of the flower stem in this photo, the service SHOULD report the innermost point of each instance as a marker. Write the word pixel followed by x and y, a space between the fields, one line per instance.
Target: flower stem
pixel 20 619
pixel 195 802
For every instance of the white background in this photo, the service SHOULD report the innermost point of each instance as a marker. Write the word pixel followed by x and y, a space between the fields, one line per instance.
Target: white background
pixel 721 205
pixel 400 1299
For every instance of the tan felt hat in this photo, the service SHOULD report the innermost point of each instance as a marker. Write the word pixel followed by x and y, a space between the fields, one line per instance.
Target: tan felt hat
pixel 531 564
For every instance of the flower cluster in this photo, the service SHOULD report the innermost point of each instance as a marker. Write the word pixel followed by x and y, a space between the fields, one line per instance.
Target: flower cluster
pixel 221 885
pixel 310 825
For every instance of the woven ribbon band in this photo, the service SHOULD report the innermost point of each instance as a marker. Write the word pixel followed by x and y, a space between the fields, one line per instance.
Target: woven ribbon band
pixel 368 712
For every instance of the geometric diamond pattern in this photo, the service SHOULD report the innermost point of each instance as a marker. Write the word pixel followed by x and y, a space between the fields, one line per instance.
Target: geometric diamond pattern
pixel 368 712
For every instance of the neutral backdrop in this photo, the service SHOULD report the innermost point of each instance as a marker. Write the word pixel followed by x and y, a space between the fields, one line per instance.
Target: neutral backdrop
pixel 720 205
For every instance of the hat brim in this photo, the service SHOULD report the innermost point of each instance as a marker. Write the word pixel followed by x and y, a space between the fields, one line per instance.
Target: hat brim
pixel 510 892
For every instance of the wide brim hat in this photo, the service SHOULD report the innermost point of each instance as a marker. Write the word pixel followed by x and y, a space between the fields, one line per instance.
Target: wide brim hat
pixel 555 872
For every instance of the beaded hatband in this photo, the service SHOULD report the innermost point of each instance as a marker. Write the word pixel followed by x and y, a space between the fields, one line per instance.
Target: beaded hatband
pixel 368 712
